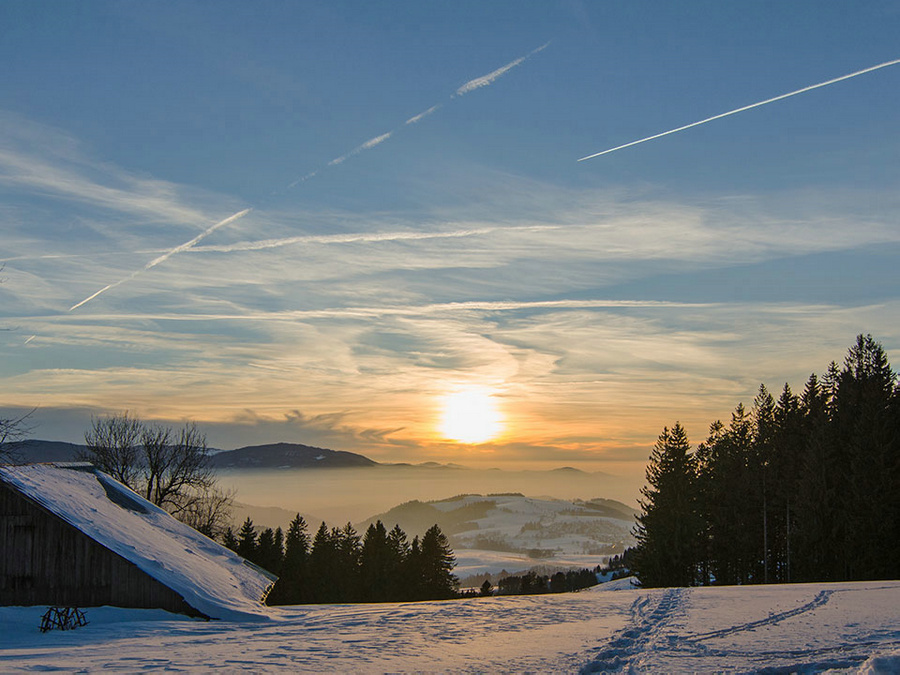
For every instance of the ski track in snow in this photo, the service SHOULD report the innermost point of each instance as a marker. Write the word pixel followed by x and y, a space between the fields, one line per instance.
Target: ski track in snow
pixel 821 598
pixel 802 628
pixel 649 616
pixel 654 642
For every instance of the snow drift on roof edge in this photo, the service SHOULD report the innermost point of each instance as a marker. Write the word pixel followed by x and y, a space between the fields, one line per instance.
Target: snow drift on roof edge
pixel 210 578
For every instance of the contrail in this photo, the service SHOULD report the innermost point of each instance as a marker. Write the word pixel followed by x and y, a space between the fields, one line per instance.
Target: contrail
pixel 371 143
pixel 323 239
pixel 471 85
pixel 375 237
pixel 165 256
pixel 422 115
pixel 746 107
pixel 489 79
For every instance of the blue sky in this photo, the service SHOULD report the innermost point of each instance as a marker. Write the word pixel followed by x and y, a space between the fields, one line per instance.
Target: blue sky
pixel 594 302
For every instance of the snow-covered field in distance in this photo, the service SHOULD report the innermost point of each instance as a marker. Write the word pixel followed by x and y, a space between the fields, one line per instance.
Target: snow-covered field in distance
pixel 512 532
pixel 846 627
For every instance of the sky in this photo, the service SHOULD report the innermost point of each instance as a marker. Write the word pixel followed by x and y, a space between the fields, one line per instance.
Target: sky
pixel 341 223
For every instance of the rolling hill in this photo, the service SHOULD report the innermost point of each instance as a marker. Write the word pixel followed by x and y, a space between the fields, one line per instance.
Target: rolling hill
pixel 288 456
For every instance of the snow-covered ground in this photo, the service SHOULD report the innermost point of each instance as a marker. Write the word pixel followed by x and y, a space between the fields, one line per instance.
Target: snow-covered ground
pixel 849 627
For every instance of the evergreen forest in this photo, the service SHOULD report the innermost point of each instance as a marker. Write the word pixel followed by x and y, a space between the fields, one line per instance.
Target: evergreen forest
pixel 337 565
pixel 802 487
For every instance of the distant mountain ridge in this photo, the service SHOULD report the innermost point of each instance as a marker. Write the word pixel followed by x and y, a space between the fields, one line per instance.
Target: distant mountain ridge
pixel 32 451
pixel 280 455
pixel 287 455
pixel 268 456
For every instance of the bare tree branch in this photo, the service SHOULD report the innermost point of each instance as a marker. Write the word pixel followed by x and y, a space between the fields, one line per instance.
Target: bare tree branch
pixel 13 431
pixel 170 469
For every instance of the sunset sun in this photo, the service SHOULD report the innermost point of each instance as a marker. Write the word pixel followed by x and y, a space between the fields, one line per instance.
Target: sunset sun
pixel 470 416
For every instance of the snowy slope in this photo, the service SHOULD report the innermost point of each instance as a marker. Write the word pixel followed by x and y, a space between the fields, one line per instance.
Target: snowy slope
pixel 208 576
pixel 551 525
pixel 850 627
pixel 492 532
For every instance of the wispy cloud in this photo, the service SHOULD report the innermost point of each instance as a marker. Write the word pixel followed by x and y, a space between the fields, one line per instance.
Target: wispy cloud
pixel 520 286
pixel 744 108
pixel 47 162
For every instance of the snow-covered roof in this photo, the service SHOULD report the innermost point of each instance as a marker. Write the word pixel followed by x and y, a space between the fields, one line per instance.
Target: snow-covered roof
pixel 210 577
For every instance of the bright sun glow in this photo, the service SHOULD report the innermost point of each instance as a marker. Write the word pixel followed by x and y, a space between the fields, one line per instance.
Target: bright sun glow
pixel 470 416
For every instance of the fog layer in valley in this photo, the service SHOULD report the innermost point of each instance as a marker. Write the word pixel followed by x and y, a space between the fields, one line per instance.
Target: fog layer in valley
pixel 351 495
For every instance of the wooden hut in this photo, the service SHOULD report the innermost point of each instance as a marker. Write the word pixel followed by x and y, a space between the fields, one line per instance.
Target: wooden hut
pixel 72 536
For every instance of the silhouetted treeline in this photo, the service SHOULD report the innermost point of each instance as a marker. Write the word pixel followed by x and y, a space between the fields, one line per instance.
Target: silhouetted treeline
pixel 532 583
pixel 340 566
pixel 800 488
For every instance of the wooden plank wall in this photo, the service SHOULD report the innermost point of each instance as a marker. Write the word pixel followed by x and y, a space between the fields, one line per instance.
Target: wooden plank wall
pixel 46 561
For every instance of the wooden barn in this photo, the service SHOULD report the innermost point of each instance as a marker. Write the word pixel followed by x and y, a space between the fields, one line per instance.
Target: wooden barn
pixel 72 536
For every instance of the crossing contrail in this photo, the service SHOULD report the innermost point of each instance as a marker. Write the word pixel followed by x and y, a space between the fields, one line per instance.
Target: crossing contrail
pixel 165 256
pixel 471 85
pixel 746 107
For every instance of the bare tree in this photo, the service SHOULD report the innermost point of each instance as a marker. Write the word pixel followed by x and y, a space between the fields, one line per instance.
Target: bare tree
pixel 176 466
pixel 168 468
pixel 208 511
pixel 12 431
pixel 113 446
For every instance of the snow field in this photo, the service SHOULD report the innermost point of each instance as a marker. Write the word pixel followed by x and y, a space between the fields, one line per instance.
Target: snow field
pixel 851 627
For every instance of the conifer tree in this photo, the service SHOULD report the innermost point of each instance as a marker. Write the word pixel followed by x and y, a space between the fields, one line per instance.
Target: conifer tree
pixel 229 540
pixel 817 487
pixel 412 572
pixel 709 508
pixel 290 589
pixel 870 460
pixel 762 463
pixel 247 540
pixel 349 548
pixel 669 527
pixel 436 563
pixel 375 564
pixel 279 548
pixel 268 554
pixel 323 560
pixel 786 476
pixel 397 586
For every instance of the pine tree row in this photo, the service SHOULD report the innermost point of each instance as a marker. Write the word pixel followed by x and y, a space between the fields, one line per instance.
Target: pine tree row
pixel 340 566
pixel 802 488
pixel 532 583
